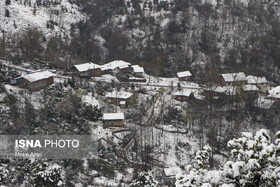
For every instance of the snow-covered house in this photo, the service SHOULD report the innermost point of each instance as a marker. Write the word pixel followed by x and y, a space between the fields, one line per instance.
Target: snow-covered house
pixel 266 106
pixel 113 119
pixel 117 98
pixel 184 75
pixel 233 79
pixel 114 66
pixel 186 94
pixel 87 69
pixel 170 174
pixel 250 90
pixel 260 82
pixel 37 81
pixel 274 94
pixel 138 71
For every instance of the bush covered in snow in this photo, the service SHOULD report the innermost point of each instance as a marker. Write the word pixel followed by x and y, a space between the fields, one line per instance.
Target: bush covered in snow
pixel 144 179
pixel 255 163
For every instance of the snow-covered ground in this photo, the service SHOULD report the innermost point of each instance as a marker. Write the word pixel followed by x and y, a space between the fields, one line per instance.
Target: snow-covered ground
pixel 23 17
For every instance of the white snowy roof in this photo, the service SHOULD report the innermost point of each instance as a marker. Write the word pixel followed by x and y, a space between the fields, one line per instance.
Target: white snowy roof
pixel 234 77
pixel 114 64
pixel 274 92
pixel 187 93
pixel 263 103
pixel 172 171
pixel 138 69
pixel 256 80
pixel 86 67
pixel 119 95
pixel 250 88
pixel 33 77
pixel 113 116
pixel 184 74
pixel 184 92
pixel 228 90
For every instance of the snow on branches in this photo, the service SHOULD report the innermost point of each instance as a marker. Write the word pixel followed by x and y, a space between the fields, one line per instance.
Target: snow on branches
pixel 255 163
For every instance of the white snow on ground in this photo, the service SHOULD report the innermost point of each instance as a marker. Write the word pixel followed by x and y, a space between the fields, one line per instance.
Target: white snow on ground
pixel 105 78
pixel 91 100
pixel 34 97
pixel 24 17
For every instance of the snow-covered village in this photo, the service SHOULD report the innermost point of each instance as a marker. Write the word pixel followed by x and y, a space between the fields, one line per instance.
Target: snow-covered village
pixel 170 93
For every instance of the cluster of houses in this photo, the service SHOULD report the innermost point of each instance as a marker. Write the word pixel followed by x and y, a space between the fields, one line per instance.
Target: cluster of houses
pixel 261 92
pixel 257 89
pixel 123 70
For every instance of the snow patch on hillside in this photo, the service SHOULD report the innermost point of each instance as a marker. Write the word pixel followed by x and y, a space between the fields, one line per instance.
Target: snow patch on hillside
pixel 23 17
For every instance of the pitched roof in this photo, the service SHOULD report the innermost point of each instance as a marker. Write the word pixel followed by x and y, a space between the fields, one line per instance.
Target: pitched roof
pixel 274 92
pixel 234 77
pixel 248 88
pixel 228 90
pixel 188 92
pixel 256 80
pixel 262 102
pixel 184 74
pixel 119 95
pixel 114 64
pixel 33 77
pixel 86 67
pixel 137 69
pixel 113 116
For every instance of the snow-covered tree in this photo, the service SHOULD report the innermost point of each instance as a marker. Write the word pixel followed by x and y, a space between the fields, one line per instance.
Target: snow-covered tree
pixel 144 179
pixel 4 174
pixel 255 163
pixel 46 174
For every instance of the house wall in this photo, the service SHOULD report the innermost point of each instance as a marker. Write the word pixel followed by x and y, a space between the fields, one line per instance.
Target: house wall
pixel 95 72
pixel 113 123
pixel 182 98
pixel 38 85
pixel 183 78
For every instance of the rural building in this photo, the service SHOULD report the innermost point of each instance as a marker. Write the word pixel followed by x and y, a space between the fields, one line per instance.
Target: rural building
pixel 266 106
pixel 117 97
pixel 114 67
pixel 87 69
pixel 113 119
pixel 184 76
pixel 170 174
pixel 138 71
pixel 274 94
pixel 251 90
pixel 233 79
pixel 260 82
pixel 186 94
pixel 37 81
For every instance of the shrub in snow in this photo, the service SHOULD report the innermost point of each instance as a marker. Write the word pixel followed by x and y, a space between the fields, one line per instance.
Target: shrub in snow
pixel 46 174
pixel 144 179
pixel 255 164
pixel 4 174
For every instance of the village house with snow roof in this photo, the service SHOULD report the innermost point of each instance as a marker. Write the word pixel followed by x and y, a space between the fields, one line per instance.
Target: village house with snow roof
pixel 261 82
pixel 120 98
pixel 220 92
pixel 113 119
pixel 114 67
pixel 233 79
pixel 251 90
pixel 186 95
pixel 37 81
pixel 169 174
pixel 266 107
pixel 86 70
pixel 138 71
pixel 274 94
pixel 184 75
